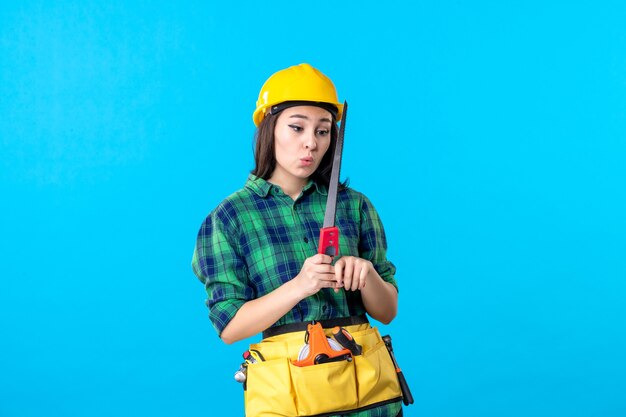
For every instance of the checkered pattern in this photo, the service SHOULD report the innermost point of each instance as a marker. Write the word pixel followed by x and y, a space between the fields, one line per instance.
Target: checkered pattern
pixel 389 410
pixel 258 238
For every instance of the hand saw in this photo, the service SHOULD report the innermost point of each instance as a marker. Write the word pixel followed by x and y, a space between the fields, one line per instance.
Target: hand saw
pixel 329 234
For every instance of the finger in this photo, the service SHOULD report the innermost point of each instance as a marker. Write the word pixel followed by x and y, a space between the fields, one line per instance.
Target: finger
pixel 327 283
pixel 356 273
pixel 315 259
pixel 323 259
pixel 363 278
pixel 348 275
pixel 339 273
pixel 324 269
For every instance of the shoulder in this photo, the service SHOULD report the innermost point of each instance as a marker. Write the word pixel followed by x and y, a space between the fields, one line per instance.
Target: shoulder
pixel 353 197
pixel 232 206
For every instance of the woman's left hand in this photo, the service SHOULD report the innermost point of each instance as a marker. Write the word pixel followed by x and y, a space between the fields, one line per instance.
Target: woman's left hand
pixel 351 272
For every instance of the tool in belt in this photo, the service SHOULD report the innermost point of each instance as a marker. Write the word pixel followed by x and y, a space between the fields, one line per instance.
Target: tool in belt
pixel 321 349
pixel 407 397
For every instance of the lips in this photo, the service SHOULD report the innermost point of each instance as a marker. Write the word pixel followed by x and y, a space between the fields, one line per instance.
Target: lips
pixel 307 161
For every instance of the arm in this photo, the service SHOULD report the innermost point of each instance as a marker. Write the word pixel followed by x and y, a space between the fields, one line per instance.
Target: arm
pixel 371 272
pixel 257 315
pixel 380 298
pixel 221 264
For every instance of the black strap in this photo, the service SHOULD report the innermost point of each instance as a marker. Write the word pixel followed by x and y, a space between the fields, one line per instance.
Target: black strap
pixel 331 108
pixel 327 324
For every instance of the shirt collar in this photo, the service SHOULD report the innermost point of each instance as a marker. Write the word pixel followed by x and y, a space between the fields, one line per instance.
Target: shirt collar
pixel 262 188
pixel 258 185
pixel 319 188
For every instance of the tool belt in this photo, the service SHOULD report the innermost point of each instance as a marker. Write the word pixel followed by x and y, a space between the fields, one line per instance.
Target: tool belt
pixel 277 387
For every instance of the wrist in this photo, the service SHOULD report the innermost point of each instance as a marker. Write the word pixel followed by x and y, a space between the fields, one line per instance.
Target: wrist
pixel 294 291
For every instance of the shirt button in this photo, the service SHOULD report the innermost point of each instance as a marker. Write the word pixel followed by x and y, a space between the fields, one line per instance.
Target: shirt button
pixel 306 239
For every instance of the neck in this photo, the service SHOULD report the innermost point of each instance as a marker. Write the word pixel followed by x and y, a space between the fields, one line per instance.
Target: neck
pixel 290 186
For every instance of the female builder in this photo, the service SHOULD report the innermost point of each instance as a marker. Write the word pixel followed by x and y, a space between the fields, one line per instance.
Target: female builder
pixel 256 255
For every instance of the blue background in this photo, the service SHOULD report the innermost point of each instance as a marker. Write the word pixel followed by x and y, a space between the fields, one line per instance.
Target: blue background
pixel 491 137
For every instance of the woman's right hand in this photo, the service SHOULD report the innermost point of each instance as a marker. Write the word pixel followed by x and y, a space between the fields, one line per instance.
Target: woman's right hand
pixel 317 272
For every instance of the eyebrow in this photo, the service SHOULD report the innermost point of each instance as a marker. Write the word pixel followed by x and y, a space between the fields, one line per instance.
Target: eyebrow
pixel 302 116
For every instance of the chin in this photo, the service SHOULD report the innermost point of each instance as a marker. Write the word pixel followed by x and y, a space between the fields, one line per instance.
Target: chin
pixel 304 173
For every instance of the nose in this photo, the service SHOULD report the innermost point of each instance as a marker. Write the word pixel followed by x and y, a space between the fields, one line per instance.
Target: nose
pixel 310 141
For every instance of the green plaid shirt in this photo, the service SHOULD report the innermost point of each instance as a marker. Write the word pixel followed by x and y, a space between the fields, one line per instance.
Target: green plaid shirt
pixel 258 239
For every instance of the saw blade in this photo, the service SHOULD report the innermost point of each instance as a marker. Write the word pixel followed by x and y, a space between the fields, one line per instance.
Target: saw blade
pixel 331 201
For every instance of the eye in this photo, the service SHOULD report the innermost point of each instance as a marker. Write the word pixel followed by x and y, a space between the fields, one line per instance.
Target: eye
pixel 323 132
pixel 296 128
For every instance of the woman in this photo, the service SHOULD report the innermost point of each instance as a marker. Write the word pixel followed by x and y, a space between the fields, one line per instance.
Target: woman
pixel 256 252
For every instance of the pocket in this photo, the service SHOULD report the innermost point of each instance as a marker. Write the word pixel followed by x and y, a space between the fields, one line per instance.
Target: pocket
pixel 324 388
pixel 368 338
pixel 376 376
pixel 269 389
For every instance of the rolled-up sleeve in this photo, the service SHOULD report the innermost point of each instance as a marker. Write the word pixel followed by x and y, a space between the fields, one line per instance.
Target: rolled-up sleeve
pixel 373 242
pixel 218 263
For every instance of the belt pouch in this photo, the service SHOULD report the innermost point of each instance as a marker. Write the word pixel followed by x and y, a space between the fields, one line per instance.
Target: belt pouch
pixel 276 387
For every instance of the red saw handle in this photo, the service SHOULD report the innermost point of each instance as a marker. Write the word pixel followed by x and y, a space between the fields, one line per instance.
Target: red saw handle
pixel 329 241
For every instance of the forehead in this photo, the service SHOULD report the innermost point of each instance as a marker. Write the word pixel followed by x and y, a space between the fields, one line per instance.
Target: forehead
pixel 312 113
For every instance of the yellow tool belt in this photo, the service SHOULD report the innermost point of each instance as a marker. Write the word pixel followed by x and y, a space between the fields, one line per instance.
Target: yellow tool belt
pixel 276 387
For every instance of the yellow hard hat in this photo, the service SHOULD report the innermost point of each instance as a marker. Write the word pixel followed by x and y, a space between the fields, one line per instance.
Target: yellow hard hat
pixel 302 84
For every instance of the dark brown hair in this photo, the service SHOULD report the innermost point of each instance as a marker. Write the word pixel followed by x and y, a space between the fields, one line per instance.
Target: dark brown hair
pixel 265 152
